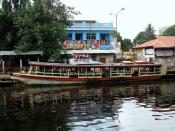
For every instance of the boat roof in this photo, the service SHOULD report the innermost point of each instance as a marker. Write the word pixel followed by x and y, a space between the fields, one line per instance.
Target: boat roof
pixel 88 65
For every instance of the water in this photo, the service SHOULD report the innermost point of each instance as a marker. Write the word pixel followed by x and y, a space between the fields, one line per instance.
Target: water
pixel 133 107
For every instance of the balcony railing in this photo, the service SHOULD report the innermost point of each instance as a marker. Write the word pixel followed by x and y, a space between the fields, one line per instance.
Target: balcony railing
pixel 87 44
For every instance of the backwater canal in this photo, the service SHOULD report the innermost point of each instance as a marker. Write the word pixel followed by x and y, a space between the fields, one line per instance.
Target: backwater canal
pixel 124 107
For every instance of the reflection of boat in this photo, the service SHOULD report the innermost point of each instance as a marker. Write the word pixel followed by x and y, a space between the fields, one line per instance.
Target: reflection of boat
pixel 59 73
pixel 163 109
pixel 166 109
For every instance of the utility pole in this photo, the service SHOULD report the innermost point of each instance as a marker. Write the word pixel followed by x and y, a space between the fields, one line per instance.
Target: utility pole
pixel 116 16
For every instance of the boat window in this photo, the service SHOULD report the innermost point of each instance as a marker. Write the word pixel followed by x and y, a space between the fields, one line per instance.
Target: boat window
pixel 48 70
pixel 127 70
pixel 41 68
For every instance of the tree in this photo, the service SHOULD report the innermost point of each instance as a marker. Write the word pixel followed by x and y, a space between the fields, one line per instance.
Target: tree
pixel 145 36
pixel 117 36
pixel 34 25
pixel 44 27
pixel 6 26
pixel 170 31
pixel 150 29
pixel 126 45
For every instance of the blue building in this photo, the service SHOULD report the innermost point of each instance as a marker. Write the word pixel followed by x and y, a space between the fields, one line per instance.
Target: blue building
pixel 90 32
pixel 92 37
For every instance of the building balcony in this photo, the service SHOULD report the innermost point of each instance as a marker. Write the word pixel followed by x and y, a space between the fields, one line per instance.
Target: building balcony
pixel 88 44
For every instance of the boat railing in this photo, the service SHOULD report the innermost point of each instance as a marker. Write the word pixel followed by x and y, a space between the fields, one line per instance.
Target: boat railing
pixel 53 74
pixel 155 71
pixel 90 75
pixel 119 73
pixel 134 72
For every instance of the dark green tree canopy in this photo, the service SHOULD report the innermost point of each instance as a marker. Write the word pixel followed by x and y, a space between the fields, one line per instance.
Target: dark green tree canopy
pixel 34 25
pixel 170 31
pixel 6 26
pixel 145 36
pixel 126 45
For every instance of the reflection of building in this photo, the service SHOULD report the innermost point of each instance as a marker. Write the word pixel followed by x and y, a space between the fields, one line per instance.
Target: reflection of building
pixel 92 37
pixel 161 50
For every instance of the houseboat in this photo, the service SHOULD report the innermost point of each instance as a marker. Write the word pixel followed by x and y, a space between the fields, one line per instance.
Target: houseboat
pixel 59 73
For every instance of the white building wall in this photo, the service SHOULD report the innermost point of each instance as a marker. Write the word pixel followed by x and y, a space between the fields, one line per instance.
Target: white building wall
pixel 148 54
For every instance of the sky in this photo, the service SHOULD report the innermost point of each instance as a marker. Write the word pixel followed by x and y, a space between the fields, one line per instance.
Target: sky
pixel 136 16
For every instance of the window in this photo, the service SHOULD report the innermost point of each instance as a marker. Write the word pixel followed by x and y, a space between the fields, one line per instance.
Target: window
pixel 91 37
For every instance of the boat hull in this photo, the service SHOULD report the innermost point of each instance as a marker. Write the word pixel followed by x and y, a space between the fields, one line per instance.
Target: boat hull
pixel 45 80
pixel 38 79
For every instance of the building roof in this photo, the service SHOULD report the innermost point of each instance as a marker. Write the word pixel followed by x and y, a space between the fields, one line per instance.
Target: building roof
pixel 94 21
pixel 7 53
pixel 159 42
pixel 10 53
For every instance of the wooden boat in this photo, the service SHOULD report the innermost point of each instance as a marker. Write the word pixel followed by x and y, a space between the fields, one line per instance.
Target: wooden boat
pixel 59 73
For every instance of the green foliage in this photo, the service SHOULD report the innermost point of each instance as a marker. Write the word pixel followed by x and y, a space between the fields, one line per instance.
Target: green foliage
pixel 117 36
pixel 6 26
pixel 27 25
pixel 150 29
pixel 126 45
pixel 170 31
pixel 145 36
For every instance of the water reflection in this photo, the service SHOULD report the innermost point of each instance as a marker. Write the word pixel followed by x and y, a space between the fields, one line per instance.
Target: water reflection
pixel 148 106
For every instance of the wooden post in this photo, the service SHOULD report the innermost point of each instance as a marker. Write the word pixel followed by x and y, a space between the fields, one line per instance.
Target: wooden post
pixel 52 71
pixel 38 58
pixel 68 73
pixel 93 72
pixel 101 72
pixel 78 73
pixel 60 72
pixel 44 71
pixel 139 71
pixel 131 72
pixel 30 69
pixel 3 67
pixel 86 73
pixel 117 72
pixel 124 72
pixel 20 65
